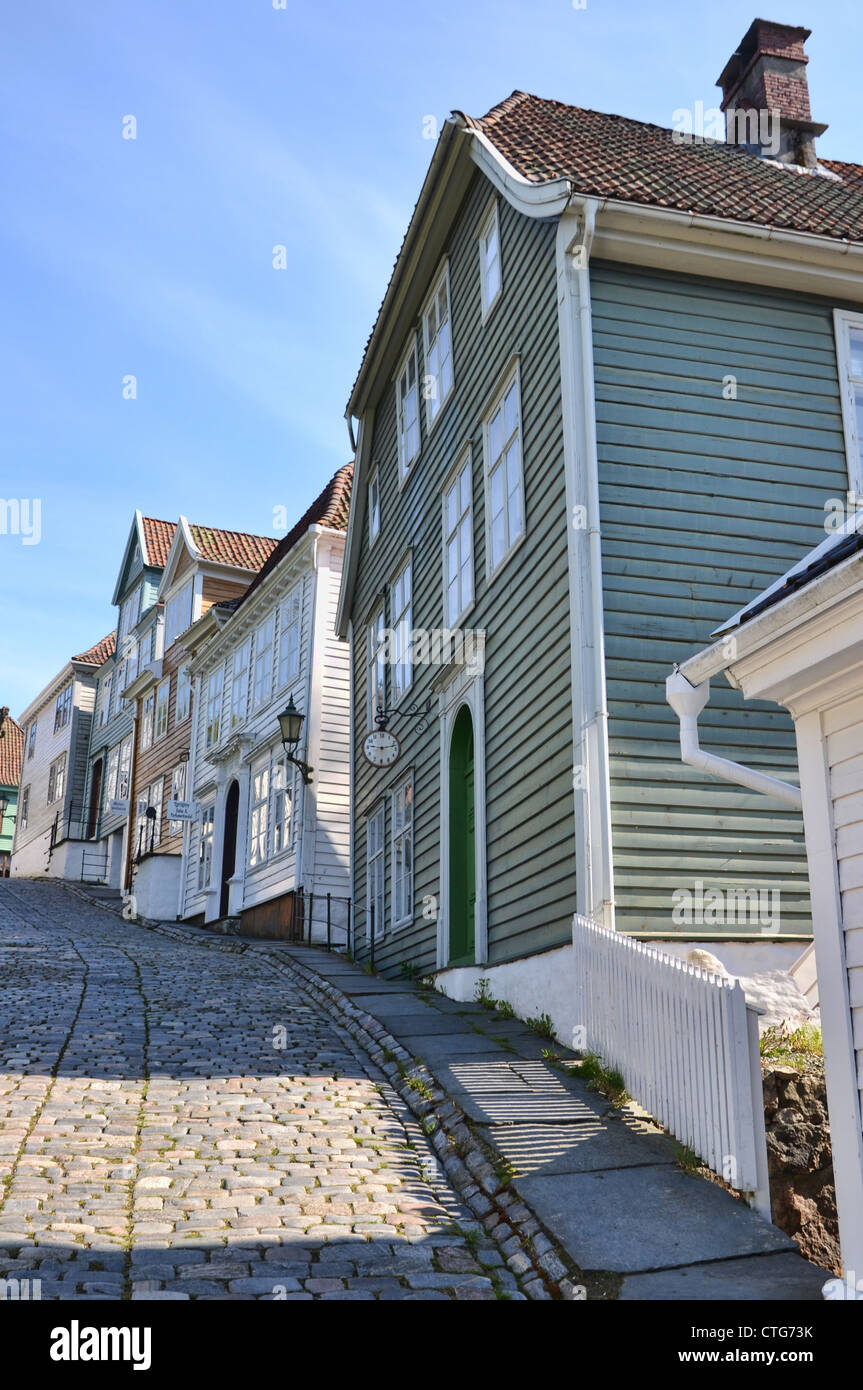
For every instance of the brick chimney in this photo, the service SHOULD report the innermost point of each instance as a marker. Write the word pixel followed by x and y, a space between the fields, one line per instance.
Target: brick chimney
pixel 765 95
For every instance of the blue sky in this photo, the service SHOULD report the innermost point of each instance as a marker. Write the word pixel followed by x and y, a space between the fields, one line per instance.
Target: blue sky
pixel 256 127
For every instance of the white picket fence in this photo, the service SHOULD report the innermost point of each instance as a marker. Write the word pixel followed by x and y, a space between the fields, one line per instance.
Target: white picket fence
pixel 686 1043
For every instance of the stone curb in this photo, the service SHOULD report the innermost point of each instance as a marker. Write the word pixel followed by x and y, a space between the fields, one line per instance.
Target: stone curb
pixel 529 1250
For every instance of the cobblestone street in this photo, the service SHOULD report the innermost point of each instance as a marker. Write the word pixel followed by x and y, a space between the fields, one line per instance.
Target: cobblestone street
pixel 156 1144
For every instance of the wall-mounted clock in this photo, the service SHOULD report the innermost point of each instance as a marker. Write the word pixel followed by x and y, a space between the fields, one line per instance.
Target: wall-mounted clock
pixel 381 748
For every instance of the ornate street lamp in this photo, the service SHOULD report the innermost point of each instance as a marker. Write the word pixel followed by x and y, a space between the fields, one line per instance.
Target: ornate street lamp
pixel 291 726
pixel 4 807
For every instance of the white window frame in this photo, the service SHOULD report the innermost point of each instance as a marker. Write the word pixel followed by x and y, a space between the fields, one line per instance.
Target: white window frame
pixel 282 788
pixel 31 739
pixel 435 401
pixel 213 708
pixel 376 869
pixel 511 377
pixel 179 779
pixel 163 703
pixel 105 693
pixel 127 620
pixel 124 767
pixel 376 666
pixel 152 796
pixel 148 716
pixel 262 687
pixel 57 779
pixel 205 847
pixel 178 612
pixel 453 484
pixel 290 635
pixel 113 768
pixel 402 428
pixel 843 322
pixel 63 708
pixel 396 837
pixel 259 819
pixel 24 807
pixel 240 670
pixel 374 505
pixel 401 624
pixel 183 702
pixel 490 221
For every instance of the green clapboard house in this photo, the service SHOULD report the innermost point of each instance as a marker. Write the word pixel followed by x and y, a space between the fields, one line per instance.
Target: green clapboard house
pixel 608 397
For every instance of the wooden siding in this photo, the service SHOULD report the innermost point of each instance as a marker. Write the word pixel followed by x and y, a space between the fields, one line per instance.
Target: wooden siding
pixel 523 611
pixel 704 501
pixel 30 853
pixel 106 736
pixel 331 785
pixel 163 755
pixel 319 849
pixel 219 590
pixel 843 734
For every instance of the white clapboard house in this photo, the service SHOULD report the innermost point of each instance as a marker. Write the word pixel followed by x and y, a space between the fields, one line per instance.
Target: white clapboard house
pixel 269 841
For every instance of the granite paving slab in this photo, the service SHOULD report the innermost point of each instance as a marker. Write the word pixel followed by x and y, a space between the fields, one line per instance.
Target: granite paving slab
pixel 656 1217
pixel 594 1143
pixel 759 1277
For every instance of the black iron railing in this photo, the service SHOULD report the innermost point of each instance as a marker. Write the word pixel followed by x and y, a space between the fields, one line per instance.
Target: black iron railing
pixel 324 918
pixel 70 824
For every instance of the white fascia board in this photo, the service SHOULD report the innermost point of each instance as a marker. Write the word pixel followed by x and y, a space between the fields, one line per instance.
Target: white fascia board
pixel 439 199
pixel 690 243
pixel 547 199
pixel 47 694
pixel 356 522
pixel 182 541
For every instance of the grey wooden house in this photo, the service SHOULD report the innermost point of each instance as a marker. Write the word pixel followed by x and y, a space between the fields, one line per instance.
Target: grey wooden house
pixel 609 394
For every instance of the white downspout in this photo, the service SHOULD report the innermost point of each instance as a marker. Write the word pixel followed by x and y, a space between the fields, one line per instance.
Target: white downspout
pixel 688 701
pixel 595 886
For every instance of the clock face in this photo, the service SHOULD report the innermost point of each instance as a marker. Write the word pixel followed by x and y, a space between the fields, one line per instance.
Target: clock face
pixel 381 748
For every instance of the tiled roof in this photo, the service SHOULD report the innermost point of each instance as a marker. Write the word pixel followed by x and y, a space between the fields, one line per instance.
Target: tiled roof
pixel 330 509
pixel 615 157
pixel 852 174
pixel 11 752
pixel 233 547
pixel 94 656
pixel 223 547
pixel 158 538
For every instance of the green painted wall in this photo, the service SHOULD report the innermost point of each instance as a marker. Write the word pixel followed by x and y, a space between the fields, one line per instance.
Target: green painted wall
pixel 524 611
pixel 704 502
pixel 7 822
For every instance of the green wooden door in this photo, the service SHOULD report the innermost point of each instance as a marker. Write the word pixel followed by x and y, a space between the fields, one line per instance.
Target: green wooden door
pixel 462 858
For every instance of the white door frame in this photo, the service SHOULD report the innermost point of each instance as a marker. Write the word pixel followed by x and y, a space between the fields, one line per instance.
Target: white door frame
pixel 457 686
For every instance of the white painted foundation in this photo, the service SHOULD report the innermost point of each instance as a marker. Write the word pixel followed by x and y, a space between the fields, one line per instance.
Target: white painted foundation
pixel 545 984
pixel 156 887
